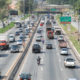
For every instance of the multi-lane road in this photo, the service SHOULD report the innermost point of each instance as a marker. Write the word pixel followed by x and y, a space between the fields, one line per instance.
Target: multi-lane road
pixel 7 58
pixel 52 63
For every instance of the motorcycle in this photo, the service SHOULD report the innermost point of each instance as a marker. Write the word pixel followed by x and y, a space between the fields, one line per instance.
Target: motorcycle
pixel 38 60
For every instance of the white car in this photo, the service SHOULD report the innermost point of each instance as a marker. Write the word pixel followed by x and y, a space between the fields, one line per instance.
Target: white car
pixel 19 42
pixel 69 62
pixel 11 37
pixel 61 37
pixel 38 39
pixel 64 51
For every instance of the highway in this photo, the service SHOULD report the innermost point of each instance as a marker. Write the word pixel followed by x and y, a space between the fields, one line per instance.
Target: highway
pixel 7 58
pixel 52 63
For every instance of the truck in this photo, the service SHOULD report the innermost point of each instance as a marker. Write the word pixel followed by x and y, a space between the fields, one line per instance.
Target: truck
pixel 50 34
pixel 4 44
pixel 62 44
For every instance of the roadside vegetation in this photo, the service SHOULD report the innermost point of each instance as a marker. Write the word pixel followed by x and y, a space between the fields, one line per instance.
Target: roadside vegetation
pixel 11 25
pixel 72 34
pixel 26 15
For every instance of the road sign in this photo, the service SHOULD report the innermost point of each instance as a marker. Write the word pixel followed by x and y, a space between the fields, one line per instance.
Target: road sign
pixel 13 12
pixel 65 19
pixel 53 9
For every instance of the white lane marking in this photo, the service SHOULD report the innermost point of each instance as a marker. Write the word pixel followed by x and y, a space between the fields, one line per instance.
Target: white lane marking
pixel 41 68
pixel 42 60
pixel 59 60
pixel 61 69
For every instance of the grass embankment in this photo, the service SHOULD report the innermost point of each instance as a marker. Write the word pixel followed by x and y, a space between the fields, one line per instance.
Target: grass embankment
pixel 72 33
pixel 2 30
pixel 27 15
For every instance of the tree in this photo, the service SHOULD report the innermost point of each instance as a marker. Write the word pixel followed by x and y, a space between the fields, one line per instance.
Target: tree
pixel 26 6
pixel 3 10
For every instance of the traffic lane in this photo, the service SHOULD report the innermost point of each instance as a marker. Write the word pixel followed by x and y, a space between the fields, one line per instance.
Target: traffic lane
pixel 30 63
pixel 31 57
pixel 7 59
pixel 68 72
pixel 48 71
pixel 54 61
pixel 5 55
pixel 61 59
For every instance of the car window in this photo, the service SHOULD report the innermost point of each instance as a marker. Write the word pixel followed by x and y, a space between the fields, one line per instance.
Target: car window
pixel 70 60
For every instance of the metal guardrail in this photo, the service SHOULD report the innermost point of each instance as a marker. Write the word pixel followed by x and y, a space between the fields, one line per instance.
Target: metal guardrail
pixel 16 68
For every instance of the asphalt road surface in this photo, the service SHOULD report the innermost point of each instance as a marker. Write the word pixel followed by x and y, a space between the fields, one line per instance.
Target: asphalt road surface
pixel 6 57
pixel 52 63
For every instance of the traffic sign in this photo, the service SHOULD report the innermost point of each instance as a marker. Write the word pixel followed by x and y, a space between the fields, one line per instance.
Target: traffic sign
pixel 65 19
pixel 53 9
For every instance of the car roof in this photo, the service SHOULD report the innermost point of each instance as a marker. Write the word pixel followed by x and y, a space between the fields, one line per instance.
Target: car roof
pixel 69 58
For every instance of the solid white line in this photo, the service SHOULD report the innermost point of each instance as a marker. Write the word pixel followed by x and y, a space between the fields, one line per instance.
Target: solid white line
pixel 61 69
pixel 59 60
pixel 42 60
pixel 41 68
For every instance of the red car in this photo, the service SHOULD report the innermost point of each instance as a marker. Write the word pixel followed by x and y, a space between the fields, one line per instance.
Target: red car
pixel 41 24
pixel 3 45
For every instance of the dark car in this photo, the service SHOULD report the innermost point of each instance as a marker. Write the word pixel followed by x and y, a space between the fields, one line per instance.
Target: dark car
pixel 17 33
pixel 49 46
pixel 39 31
pixel 14 48
pixel 22 37
pixel 36 48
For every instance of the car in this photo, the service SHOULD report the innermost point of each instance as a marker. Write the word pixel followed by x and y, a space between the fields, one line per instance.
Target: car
pixel 24 76
pixel 38 39
pixel 36 48
pixel 49 46
pixel 22 37
pixel 60 37
pixel 39 35
pixel 14 48
pixel 64 51
pixel 39 31
pixel 17 33
pixel 4 45
pixel 41 24
pixel 11 37
pixel 19 42
pixel 69 62
pixel 20 30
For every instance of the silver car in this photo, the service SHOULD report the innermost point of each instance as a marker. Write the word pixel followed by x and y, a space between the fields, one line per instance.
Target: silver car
pixel 19 42
pixel 69 62
pixel 14 48
pixel 64 51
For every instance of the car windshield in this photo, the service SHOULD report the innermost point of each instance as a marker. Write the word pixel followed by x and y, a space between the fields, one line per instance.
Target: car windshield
pixel 14 46
pixel 70 60
pixel 2 41
pixel 64 49
pixel 19 40
pixel 36 45
pixel 11 36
